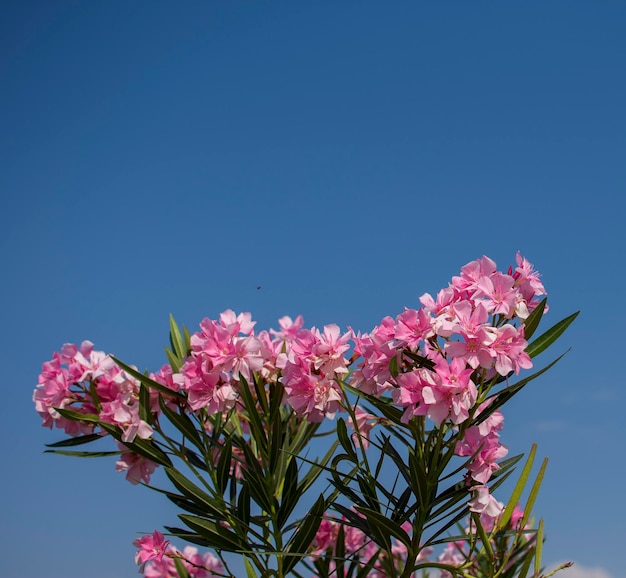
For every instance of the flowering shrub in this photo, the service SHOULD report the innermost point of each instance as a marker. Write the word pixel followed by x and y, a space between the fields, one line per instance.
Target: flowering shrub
pixel 412 410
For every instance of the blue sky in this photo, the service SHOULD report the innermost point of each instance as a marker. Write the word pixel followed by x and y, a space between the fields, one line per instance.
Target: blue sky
pixel 167 157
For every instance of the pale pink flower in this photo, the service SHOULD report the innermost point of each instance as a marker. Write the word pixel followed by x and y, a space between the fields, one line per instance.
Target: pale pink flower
pixel 137 468
pixel 313 396
pixel 499 295
pixel 124 413
pixel 364 423
pixel 525 273
pixel 329 348
pixel 483 502
pixel 289 328
pixel 472 272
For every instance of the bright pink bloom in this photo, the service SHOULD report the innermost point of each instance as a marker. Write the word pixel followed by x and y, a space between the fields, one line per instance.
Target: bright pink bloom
pixel 150 548
pixel 412 327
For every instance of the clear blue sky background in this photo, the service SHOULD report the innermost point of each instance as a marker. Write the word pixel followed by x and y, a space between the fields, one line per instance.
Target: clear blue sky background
pixel 346 156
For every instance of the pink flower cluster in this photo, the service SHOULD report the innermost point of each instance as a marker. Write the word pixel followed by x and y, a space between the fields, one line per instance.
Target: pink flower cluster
pixel 89 382
pixel 156 556
pixel 468 330
pixel 433 362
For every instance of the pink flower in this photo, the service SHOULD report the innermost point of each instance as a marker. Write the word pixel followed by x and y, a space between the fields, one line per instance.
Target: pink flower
pixel 484 503
pixel 137 468
pixel 364 423
pixel 150 548
pixel 124 412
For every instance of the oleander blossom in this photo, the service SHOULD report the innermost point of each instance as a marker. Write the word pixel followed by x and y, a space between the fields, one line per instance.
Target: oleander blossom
pixel 242 400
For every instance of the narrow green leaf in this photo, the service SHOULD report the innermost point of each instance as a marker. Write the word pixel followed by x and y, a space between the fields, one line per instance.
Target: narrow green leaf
pixel 256 425
pixel 303 538
pixel 533 493
pixel 144 404
pixel 196 461
pixel 517 491
pixel 185 504
pixel 77 416
pixel 532 321
pixel 250 573
pixel 221 537
pixel 539 549
pixel 213 507
pixel 223 466
pixel 345 441
pixel 148 450
pixel 527 562
pixel 77 441
pixel 149 382
pixel 420 360
pixel 253 473
pixel 178 345
pixel 180 568
pixel 277 439
pixel 174 362
pixel 182 423
pixel 189 536
pixel 385 525
pixel 291 494
pixel 483 537
pixel 243 504
pixel 82 454
pixel 549 337
pixel 394 370
pixel 187 338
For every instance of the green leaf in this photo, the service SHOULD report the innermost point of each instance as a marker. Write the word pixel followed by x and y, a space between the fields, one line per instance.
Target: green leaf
pixel 394 370
pixel 183 424
pixel 144 448
pixel 213 507
pixel 178 344
pixel 189 536
pixel 250 573
pixel 82 454
pixel 77 441
pixel 180 568
pixel 174 362
pixel 256 478
pixel 243 504
pixel 303 538
pixel 532 321
pixel 533 492
pixel 77 416
pixel 539 548
pixel 517 491
pixel 385 525
pixel 223 466
pixel 291 493
pixel 144 404
pixel 345 441
pixel 149 382
pixel 185 504
pixel 549 337
pixel 420 360
pixel 256 425
pixel 222 538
